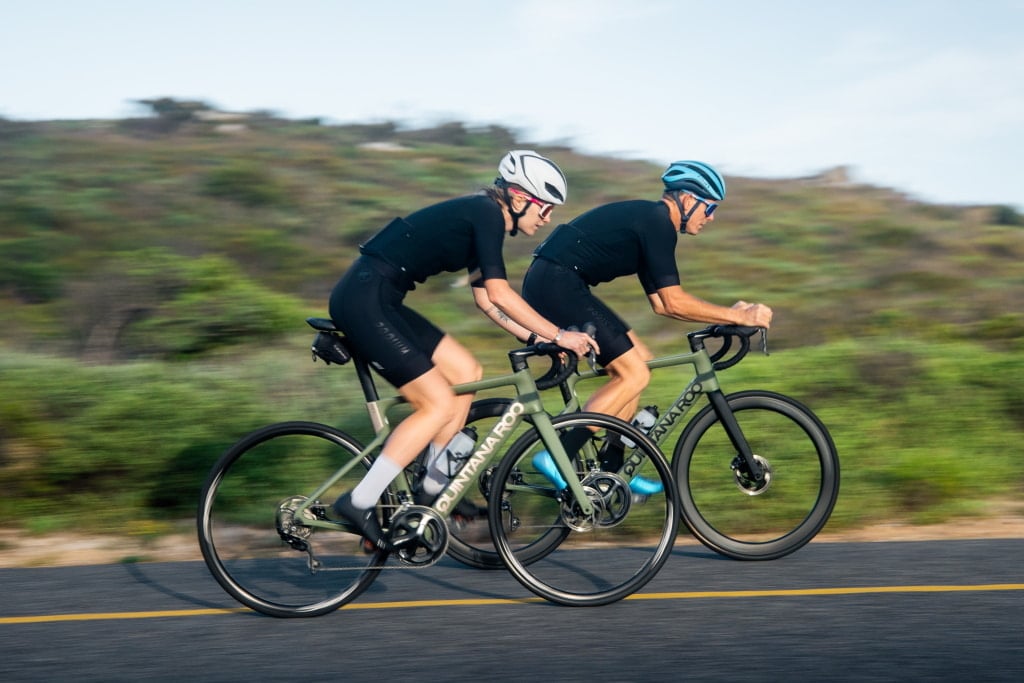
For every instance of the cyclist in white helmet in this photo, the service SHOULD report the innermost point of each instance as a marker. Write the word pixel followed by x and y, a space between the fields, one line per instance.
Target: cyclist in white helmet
pixel 635 237
pixel 412 353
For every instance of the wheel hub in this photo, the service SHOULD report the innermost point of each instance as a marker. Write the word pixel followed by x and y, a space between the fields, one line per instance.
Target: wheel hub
pixel 292 531
pixel 576 519
pixel 749 485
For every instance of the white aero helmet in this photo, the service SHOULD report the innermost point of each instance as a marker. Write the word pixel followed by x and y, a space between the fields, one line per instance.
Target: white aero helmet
pixel 536 174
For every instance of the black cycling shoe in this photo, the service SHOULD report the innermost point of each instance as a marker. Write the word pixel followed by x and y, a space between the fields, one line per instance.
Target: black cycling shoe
pixel 612 455
pixel 363 520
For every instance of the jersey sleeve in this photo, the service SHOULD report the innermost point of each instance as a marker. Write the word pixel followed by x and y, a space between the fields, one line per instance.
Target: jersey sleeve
pixel 489 238
pixel 658 257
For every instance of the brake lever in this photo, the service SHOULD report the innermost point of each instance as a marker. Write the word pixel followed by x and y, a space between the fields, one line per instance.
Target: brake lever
pixel 589 329
pixel 764 341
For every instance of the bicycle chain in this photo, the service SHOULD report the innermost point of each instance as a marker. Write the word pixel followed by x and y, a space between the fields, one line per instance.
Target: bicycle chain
pixel 401 564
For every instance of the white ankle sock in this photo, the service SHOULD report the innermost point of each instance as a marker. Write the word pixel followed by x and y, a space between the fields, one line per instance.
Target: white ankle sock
pixel 382 472
pixel 437 476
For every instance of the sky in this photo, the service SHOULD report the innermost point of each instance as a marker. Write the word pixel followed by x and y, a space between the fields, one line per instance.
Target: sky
pixel 922 96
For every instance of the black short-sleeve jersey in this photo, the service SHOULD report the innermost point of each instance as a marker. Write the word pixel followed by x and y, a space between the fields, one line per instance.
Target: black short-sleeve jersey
pixel 466 232
pixel 621 238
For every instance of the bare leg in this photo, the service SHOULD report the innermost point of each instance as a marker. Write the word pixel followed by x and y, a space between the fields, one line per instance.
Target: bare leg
pixel 628 377
pixel 437 415
pixel 458 366
pixel 434 406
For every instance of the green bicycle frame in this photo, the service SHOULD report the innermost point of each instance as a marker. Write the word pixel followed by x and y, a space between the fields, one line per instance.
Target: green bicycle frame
pixel 487 452
pixel 705 382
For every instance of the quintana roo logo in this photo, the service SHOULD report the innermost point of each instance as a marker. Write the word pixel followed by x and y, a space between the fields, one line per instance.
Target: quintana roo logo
pixel 480 456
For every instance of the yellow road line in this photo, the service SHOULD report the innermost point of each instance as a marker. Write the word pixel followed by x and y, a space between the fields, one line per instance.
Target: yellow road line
pixel 855 590
pixel 102 616
pixel 696 595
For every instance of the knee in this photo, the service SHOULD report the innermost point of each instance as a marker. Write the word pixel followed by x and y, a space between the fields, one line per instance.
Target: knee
pixel 646 374
pixel 470 371
pixel 439 410
pixel 478 372
pixel 639 377
pixel 631 375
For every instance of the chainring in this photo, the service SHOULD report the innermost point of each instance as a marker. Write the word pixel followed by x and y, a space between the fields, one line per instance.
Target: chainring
pixel 615 495
pixel 419 536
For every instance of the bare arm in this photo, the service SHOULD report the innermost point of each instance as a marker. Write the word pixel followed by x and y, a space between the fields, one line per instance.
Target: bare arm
pixel 499 316
pixel 674 302
pixel 504 306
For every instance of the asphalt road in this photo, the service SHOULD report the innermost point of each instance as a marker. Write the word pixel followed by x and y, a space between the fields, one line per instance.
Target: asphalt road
pixel 900 611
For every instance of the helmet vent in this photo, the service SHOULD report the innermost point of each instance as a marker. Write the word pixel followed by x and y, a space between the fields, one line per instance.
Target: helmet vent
pixel 554 191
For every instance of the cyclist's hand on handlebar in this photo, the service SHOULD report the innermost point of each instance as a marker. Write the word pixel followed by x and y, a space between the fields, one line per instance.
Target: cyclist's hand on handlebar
pixel 755 315
pixel 578 342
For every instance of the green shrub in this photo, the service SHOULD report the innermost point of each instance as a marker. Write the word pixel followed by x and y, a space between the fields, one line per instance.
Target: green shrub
pixel 246 183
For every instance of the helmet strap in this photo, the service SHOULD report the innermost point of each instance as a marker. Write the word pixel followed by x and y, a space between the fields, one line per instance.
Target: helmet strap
pixel 684 215
pixel 516 215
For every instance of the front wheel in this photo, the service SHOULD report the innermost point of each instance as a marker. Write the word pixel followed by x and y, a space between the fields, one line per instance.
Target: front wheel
pixel 254 522
pixel 611 546
pixel 765 520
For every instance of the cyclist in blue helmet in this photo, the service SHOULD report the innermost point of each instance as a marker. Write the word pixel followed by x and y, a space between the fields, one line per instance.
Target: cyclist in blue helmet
pixel 421 360
pixel 633 237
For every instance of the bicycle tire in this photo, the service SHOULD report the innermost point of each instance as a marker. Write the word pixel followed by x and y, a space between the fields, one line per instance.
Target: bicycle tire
pixel 726 516
pixel 604 557
pixel 470 540
pixel 251 492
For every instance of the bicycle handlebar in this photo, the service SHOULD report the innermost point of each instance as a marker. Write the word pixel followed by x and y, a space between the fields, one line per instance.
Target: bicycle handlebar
pixel 563 364
pixel 563 360
pixel 727 333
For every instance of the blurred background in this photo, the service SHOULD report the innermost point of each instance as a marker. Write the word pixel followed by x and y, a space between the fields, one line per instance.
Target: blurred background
pixel 182 184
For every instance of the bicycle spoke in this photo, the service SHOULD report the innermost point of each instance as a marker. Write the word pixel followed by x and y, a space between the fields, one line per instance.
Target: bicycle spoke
pixel 748 519
pixel 257 542
pixel 604 554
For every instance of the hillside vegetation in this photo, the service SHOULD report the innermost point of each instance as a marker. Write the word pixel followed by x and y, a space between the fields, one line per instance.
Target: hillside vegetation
pixel 155 274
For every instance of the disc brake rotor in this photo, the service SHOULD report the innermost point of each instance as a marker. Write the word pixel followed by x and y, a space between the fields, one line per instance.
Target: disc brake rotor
pixel 752 487
pixel 575 519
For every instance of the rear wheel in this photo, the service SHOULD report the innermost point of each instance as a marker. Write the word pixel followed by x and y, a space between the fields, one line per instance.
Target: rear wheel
pixel 253 522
